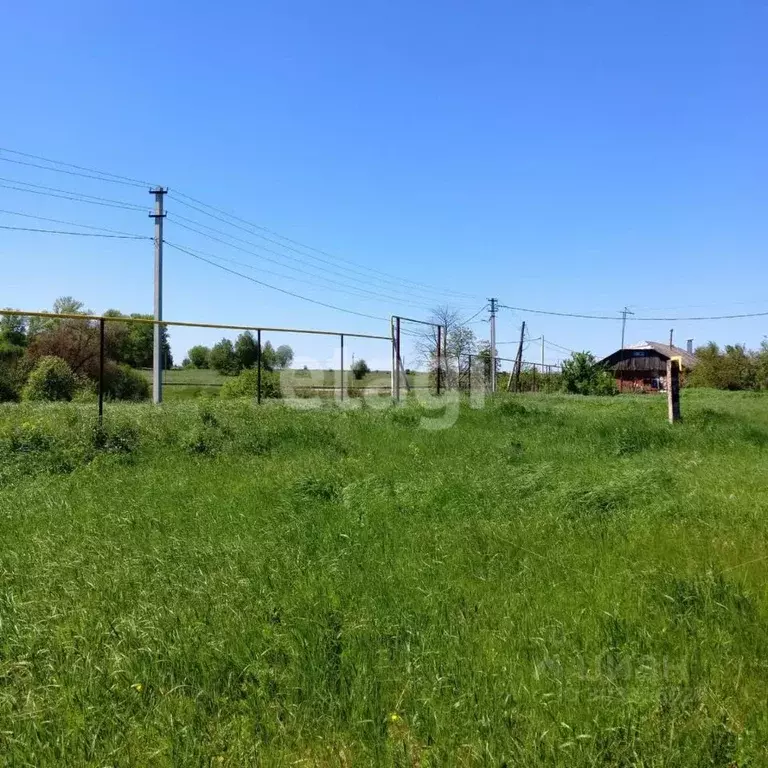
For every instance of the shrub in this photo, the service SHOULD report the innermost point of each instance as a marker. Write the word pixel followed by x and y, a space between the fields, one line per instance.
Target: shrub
pixel 246 383
pixel 8 390
pixel 360 369
pixel 125 383
pixel 51 379
pixel 582 376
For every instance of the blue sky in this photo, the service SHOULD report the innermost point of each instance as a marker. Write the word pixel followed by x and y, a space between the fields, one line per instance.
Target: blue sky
pixel 557 155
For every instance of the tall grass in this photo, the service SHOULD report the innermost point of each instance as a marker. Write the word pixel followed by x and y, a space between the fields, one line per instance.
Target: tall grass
pixel 553 581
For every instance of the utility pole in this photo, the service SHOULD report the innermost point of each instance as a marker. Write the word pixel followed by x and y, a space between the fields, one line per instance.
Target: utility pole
pixel 157 358
pixel 624 313
pixel 494 303
pixel 515 375
pixel 542 353
pixel 671 336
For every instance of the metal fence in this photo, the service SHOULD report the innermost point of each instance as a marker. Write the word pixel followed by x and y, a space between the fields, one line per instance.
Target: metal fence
pixel 474 374
pixel 97 338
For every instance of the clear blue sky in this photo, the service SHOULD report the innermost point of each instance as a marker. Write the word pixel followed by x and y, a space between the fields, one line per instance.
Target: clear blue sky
pixel 555 154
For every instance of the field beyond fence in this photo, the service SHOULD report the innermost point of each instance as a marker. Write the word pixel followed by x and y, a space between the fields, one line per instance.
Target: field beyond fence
pixel 553 581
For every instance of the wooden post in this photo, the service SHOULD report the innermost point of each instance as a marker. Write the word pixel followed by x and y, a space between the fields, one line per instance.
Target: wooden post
pixel 673 390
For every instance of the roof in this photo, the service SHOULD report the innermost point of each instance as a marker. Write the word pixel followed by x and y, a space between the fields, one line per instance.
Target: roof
pixel 663 351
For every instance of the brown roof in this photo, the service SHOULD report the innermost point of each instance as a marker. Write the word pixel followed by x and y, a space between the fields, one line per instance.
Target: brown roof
pixel 663 352
pixel 688 359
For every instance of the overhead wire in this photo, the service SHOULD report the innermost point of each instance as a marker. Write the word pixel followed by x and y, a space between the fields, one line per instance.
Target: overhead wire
pixel 636 318
pixel 65 194
pixel 388 277
pixel 73 224
pixel 174 218
pixel 77 234
pixel 114 177
pixel 353 291
pixel 272 287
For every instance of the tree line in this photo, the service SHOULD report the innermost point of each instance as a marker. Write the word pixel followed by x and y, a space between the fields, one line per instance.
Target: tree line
pixel 231 359
pixel 58 359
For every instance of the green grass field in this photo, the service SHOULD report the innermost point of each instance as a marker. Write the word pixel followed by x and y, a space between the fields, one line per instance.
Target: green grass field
pixel 553 581
pixel 192 383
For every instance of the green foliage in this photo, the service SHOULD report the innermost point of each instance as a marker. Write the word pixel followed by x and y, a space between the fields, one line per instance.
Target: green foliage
pixel 124 383
pixel 283 357
pixel 246 351
pixel 223 359
pixel 268 357
pixel 246 385
pixel 360 369
pixel 733 368
pixel 199 356
pixel 52 379
pixel 134 343
pixel 581 375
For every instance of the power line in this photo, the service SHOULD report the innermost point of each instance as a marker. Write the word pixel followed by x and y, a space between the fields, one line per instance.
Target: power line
pixel 77 234
pixel 389 278
pixel 644 319
pixel 73 224
pixel 560 314
pixel 117 179
pixel 470 319
pixel 174 219
pixel 352 291
pixel 273 287
pixel 65 194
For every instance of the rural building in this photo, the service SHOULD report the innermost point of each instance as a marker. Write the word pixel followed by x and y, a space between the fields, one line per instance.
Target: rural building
pixel 643 367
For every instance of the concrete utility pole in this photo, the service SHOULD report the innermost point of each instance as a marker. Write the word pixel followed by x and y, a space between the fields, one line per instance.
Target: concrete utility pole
pixel 542 353
pixel 624 314
pixel 494 307
pixel 157 358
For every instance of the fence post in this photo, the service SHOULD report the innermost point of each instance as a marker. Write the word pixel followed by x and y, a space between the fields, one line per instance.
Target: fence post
pixel 258 363
pixel 673 390
pixel 341 336
pixel 101 372
pixel 439 346
pixel 469 374
pixel 397 359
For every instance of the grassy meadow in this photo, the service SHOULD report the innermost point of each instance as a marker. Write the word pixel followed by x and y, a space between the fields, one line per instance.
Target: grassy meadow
pixel 553 581
pixel 191 383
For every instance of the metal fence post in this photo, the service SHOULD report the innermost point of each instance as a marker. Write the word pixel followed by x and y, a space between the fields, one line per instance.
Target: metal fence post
pixel 258 362
pixel 101 371
pixel 439 349
pixel 469 373
pixel 341 336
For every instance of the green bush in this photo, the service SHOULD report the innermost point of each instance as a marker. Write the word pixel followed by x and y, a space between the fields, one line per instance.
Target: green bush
pixel 51 379
pixel 246 383
pixel 8 390
pixel 125 383
pixel 581 375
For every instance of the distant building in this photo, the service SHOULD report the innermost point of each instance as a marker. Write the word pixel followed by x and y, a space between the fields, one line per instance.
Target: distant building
pixel 643 367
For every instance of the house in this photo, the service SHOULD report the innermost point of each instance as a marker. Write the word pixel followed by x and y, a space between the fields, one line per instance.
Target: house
pixel 643 367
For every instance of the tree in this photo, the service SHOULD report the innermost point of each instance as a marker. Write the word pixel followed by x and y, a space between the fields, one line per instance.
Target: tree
pixel 581 375
pixel 68 305
pixel 13 330
pixel 268 357
pixel 360 369
pixel 75 341
pixel 246 350
pixel 458 340
pixel 223 359
pixel 199 356
pixel 733 368
pixel 51 379
pixel 283 356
